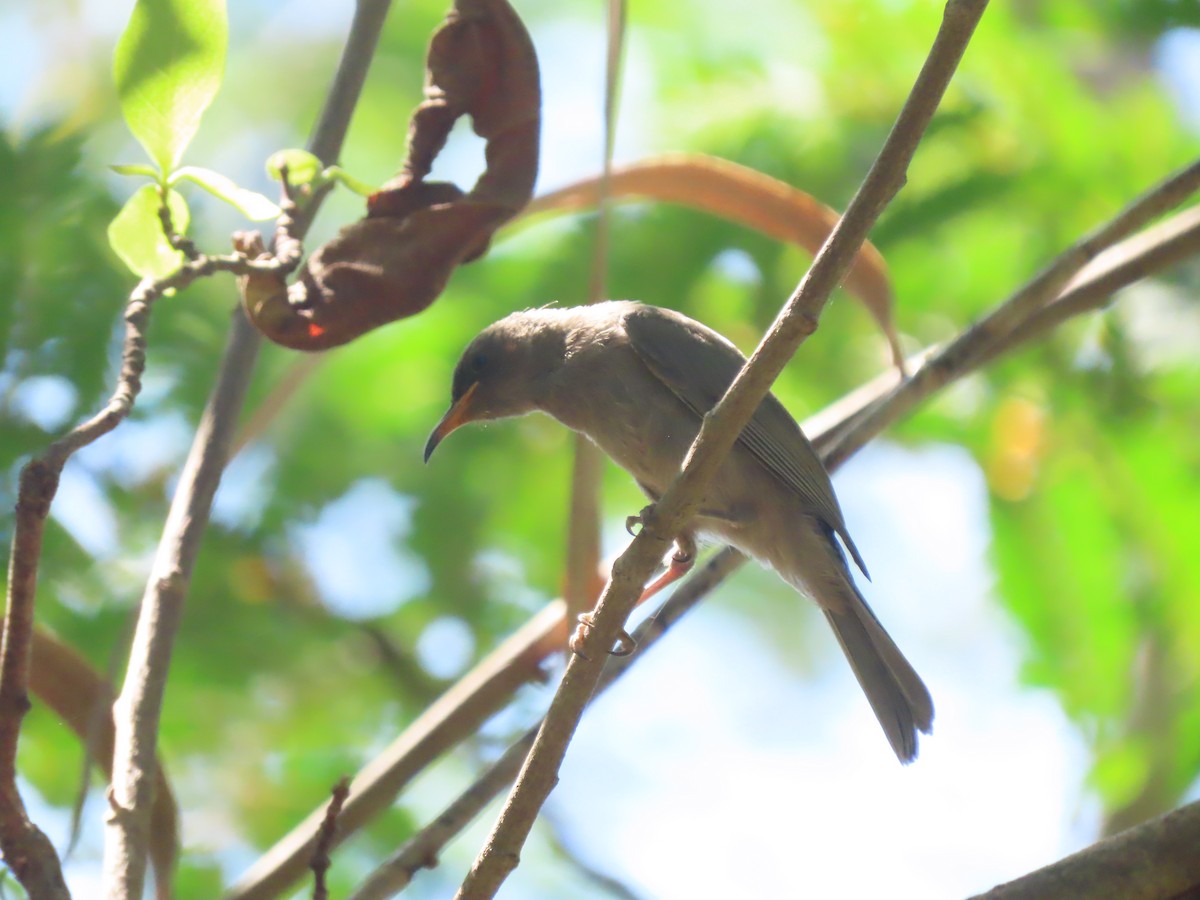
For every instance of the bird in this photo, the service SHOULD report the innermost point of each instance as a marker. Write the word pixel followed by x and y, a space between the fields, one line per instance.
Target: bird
pixel 637 380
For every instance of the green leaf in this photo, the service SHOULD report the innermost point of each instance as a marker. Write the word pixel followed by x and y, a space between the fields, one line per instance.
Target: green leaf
pixel 137 237
pixel 251 204
pixel 137 169
pixel 337 173
pixel 168 66
pixel 302 166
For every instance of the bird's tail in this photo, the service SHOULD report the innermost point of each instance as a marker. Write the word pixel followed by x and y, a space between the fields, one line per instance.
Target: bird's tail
pixel 897 695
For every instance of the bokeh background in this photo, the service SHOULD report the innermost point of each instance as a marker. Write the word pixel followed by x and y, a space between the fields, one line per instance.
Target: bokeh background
pixel 1031 533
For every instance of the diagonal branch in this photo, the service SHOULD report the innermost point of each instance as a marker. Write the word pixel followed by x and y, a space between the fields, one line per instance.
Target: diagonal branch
pixel 1034 295
pixel 1086 289
pixel 1156 860
pixel 718 433
pixel 138 708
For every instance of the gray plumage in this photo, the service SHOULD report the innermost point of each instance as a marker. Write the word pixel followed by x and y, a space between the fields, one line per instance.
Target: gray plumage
pixel 636 380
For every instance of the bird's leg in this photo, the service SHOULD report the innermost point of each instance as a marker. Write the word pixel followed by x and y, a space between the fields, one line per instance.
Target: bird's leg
pixel 682 560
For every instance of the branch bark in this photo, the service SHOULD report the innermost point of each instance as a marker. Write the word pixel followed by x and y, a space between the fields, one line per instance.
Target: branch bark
pixel 719 431
pixel 1156 860
pixel 137 709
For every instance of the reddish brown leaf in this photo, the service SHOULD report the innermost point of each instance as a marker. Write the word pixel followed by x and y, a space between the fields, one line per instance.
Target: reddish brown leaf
pixel 396 261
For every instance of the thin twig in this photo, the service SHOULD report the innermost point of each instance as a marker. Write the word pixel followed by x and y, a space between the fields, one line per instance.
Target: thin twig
pixel 720 429
pixel 180 242
pixel 583 582
pixel 321 860
pixel 281 393
pixel 138 708
pixel 607 884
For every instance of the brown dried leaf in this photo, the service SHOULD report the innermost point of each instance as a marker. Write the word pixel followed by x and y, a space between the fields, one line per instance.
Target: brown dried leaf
pixel 396 261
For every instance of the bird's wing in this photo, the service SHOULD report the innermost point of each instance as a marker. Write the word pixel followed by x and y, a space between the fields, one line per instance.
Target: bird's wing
pixel 698 365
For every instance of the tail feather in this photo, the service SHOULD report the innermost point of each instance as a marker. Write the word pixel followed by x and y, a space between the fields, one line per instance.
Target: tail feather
pixel 895 691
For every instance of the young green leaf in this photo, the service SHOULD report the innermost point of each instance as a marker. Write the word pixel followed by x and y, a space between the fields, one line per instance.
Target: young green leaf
pixel 137 169
pixel 251 204
pixel 136 233
pixel 302 166
pixel 168 66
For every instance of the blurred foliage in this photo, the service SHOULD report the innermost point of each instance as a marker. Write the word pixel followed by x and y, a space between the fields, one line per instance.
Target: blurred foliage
pixel 277 688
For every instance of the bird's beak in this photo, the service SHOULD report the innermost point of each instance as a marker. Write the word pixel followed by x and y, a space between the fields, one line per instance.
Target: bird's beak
pixel 459 413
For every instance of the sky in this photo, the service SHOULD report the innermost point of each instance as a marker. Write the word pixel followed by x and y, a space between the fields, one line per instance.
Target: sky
pixel 703 788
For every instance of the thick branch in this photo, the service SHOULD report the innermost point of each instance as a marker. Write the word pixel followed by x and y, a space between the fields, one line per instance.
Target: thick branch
pixel 138 708
pixel 1156 860
pixel 717 435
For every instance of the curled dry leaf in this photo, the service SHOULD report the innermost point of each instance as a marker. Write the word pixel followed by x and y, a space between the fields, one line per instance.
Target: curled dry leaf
pixel 80 696
pixel 745 196
pixel 396 261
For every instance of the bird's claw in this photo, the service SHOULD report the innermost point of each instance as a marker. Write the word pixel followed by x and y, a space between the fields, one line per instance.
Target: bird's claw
pixel 625 642
pixel 639 519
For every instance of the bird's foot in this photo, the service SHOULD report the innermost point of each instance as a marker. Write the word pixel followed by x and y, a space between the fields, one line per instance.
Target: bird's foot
pixel 625 642
pixel 682 560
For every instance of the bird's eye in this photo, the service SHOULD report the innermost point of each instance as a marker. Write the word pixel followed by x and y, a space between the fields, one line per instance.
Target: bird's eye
pixel 478 361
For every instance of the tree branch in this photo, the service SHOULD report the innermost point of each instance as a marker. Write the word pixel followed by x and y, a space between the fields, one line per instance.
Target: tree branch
pixel 720 429
pixel 1003 321
pixel 582 583
pixel 138 707
pixel 1156 860
pixel 1165 244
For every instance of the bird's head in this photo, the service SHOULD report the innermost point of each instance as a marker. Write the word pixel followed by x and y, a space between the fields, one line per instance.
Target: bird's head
pixel 500 372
